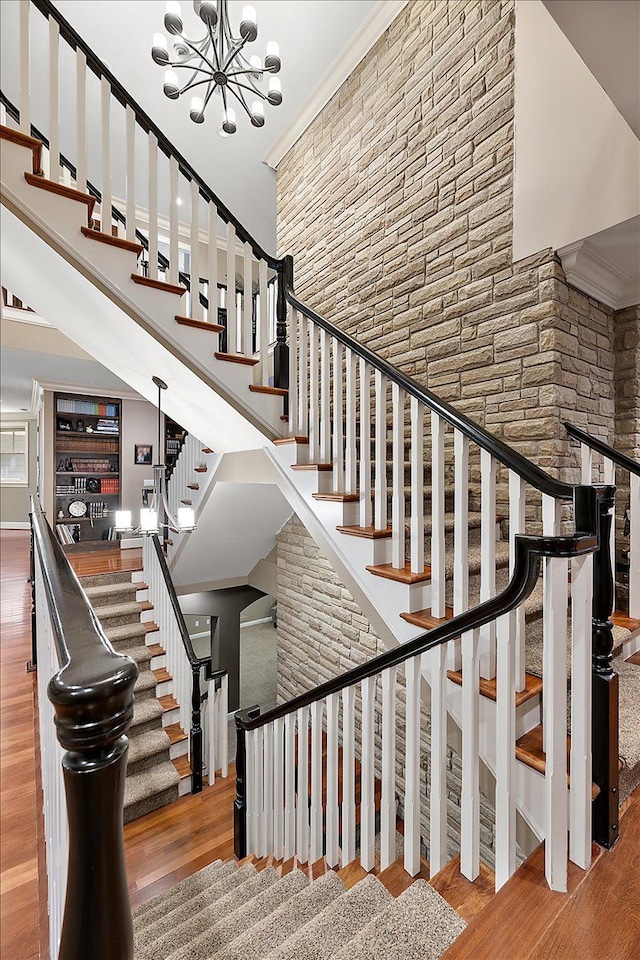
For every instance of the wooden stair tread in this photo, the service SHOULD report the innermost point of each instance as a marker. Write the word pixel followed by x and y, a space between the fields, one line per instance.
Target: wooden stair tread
pixel 129 245
pixel 207 450
pixel 145 605
pixel 270 391
pixel 467 898
pixel 397 880
pixel 533 686
pixel 236 358
pixel 402 575
pixel 369 533
pixel 199 324
pixel 183 766
pixel 282 440
pixel 17 136
pixel 200 469
pixel 337 497
pixel 320 467
pixel 425 619
pixel 59 188
pixel 175 733
pixel 156 649
pixel 193 486
pixel 168 702
pixel 162 675
pixel 187 503
pixel 634 658
pixel 619 619
pixel 158 285
pixel 529 751
pixel 287 867
pixel 150 626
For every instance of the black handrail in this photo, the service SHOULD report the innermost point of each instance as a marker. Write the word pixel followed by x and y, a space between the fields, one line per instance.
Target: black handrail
pixel 92 695
pixel 529 551
pixel 621 459
pixel 124 97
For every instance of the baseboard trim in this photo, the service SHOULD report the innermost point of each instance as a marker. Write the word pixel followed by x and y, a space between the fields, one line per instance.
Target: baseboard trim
pixel 15 525
pixel 253 623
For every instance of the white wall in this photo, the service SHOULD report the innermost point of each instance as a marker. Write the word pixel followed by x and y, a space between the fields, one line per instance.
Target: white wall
pixel 577 166
pixel 139 425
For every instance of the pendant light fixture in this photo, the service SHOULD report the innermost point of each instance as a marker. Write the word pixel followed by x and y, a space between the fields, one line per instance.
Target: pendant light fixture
pixel 158 515
pixel 216 64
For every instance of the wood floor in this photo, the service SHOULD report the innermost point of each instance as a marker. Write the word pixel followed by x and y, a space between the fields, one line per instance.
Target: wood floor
pixel 599 920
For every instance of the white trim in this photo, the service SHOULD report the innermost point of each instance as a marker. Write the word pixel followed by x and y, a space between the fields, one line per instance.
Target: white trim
pixel 92 390
pixel 24 316
pixel 590 271
pixel 14 525
pixel 380 18
pixel 253 623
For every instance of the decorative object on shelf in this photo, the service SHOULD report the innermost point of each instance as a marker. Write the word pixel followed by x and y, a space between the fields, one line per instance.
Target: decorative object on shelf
pixel 152 518
pixel 93 485
pixel 63 424
pixel 68 465
pixel 61 467
pixel 60 514
pixel 80 426
pixel 143 453
pixel 216 63
pixel 77 508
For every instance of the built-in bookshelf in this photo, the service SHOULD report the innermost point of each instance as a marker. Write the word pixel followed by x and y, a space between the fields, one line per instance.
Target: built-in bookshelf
pixel 87 479
pixel 174 439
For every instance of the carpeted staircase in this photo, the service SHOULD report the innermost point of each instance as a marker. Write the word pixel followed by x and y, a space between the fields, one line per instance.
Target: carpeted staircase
pixel 152 779
pixel 248 912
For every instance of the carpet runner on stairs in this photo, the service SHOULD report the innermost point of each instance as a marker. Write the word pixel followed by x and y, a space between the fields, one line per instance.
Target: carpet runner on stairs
pixel 234 912
pixel 152 780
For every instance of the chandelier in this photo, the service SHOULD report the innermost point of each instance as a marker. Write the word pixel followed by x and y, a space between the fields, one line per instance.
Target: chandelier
pixel 157 515
pixel 216 64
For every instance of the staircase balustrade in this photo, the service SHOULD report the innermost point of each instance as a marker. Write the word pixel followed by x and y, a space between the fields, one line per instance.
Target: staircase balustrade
pixel 85 706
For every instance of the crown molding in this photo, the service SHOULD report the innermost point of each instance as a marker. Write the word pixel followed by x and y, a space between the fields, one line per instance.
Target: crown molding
pixel 91 390
pixel 590 271
pixel 380 18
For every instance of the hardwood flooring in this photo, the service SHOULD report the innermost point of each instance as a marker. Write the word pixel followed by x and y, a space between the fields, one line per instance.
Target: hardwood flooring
pixel 109 560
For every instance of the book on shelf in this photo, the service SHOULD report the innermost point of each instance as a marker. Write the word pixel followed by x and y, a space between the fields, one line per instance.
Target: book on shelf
pixel 87 407
pixel 68 533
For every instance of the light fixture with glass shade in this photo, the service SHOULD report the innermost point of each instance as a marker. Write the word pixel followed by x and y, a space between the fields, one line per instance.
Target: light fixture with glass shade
pixel 216 63
pixel 158 515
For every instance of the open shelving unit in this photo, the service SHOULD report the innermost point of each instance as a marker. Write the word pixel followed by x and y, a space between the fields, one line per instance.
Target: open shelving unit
pixel 87 451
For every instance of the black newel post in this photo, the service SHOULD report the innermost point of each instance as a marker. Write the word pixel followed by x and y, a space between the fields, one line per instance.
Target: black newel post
pixel 97 913
pixel 240 803
pixel 196 731
pixel 594 506
pixel 281 350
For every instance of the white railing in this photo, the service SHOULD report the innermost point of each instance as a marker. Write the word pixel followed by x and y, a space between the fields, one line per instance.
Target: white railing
pixel 184 473
pixel 56 830
pixel 215 727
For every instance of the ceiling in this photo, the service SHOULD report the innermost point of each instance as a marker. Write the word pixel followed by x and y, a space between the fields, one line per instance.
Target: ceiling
pixel 606 34
pixel 311 35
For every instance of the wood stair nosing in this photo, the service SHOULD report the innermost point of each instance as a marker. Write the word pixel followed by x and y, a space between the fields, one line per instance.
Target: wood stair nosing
pixel 337 497
pixel 61 190
pixel 200 469
pixel 199 324
pixel 236 358
pixel 150 626
pixel 281 441
pixel 162 675
pixel 182 765
pixel 129 245
pixel 320 467
pixel 488 689
pixel 529 750
pixel 158 285
pixel 425 619
pixel 24 140
pixel 400 575
pixel 156 649
pixel 168 702
pixel 187 503
pixel 207 450
pixel 269 391
pixel 193 486
pixel 368 533
pixel 175 733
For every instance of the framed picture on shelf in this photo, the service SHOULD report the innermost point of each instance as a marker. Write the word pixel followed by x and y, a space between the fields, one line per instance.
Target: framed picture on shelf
pixel 62 423
pixel 142 453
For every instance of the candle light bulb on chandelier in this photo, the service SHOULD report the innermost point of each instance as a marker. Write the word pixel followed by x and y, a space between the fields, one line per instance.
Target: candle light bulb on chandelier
pixel 272 60
pixel 123 521
pixel 197 110
pixel 249 24
pixel 186 519
pixel 159 50
pixel 257 113
pixel 171 86
pixel 148 520
pixel 173 17
pixel 229 122
pixel 274 96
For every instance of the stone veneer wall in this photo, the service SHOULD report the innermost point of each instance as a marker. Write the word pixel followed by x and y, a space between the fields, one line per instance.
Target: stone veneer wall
pixel 322 633
pixel 396 204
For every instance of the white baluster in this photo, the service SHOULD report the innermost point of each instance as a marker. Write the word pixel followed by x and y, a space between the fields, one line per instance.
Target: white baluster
pixel 253 791
pixel 232 326
pixel 278 788
pixel 388 800
pixel 302 818
pixel 470 800
pixel 367 803
pixel 292 316
pixel 266 825
pixel 131 173
pixel 610 480
pixel 211 722
pixel 351 362
pixel 634 546
pixel 412 768
pixel 365 444
pixel 212 287
pixel 488 560
pixel 397 493
pixel 54 98
pixel 586 464
pixel 417 486
pixel 247 301
pixel 223 738
pixel 290 785
pixel 348 773
pixel 25 69
pixel 580 757
pixel 438 797
pixel 380 482
pixel 325 398
pixel 316 781
pixel 461 525
pixel 505 751
pixel 337 441
pixel 517 502
pixel 153 206
pixel 303 393
pixel 554 681
pixel 196 306
pixel 314 395
pixel 332 815
pixel 438 608
pixel 264 343
pixel 174 249
pixel 81 120
pixel 105 205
